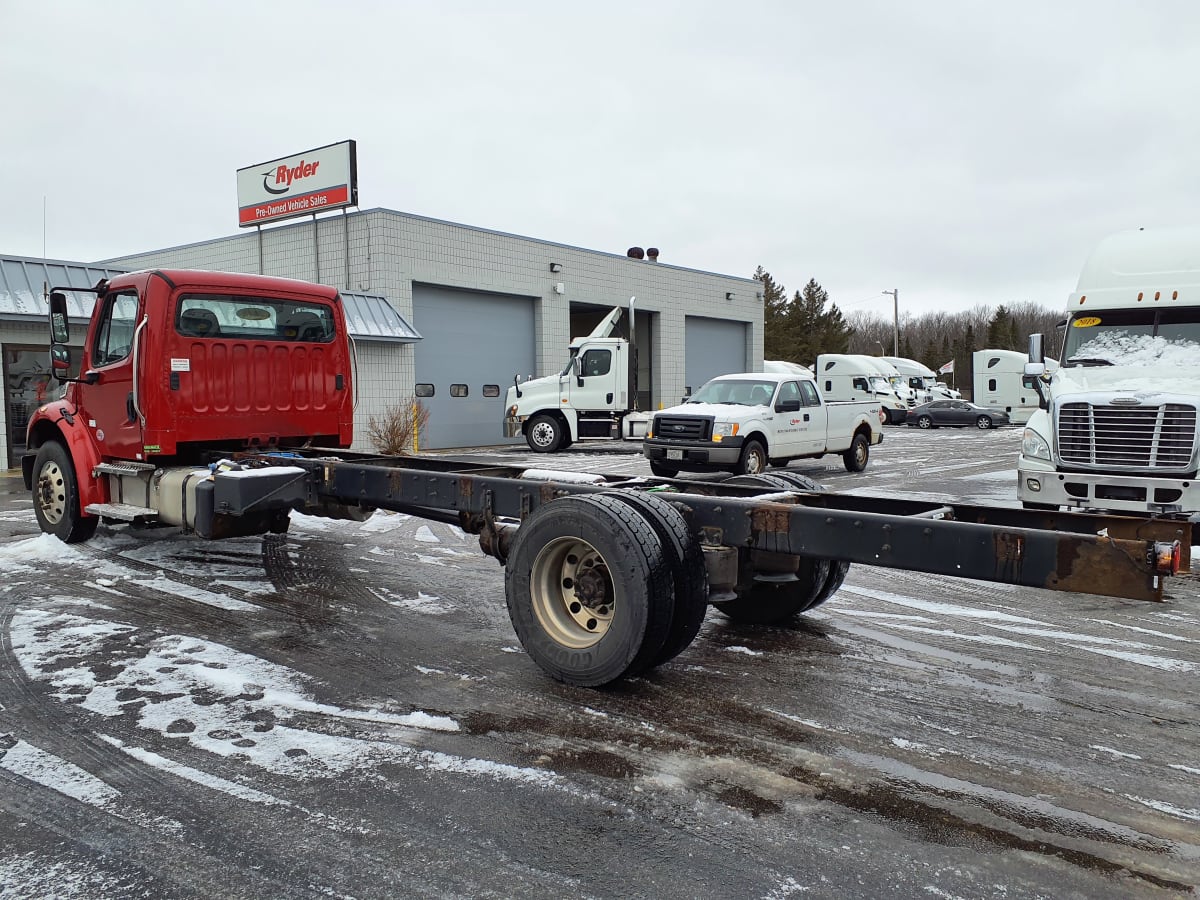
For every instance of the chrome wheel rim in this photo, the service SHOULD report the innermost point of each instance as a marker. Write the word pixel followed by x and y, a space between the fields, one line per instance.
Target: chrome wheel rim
pixel 543 434
pixel 52 492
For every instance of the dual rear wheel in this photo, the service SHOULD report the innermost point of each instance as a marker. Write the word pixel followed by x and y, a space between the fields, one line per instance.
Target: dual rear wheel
pixel 603 587
pixel 607 586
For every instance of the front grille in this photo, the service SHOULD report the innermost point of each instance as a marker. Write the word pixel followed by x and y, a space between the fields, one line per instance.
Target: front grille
pixel 683 428
pixel 1139 437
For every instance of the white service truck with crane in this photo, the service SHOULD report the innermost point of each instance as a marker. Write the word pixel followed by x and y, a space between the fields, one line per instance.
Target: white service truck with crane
pixel 594 396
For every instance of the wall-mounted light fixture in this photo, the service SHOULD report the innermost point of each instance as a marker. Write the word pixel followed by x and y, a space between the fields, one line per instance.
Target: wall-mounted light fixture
pixel 555 267
pixel 758 295
pixel 729 295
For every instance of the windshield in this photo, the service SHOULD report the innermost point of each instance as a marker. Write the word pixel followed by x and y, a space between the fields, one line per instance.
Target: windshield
pixel 1134 337
pixel 881 384
pixel 740 392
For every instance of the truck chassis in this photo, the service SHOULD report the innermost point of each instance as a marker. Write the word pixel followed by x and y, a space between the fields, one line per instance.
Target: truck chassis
pixel 609 576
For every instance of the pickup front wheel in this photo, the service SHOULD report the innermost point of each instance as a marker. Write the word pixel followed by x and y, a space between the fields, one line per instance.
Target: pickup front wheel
pixel 753 460
pixel 56 496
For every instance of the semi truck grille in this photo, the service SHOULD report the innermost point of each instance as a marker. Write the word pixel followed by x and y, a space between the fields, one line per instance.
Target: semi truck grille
pixel 683 428
pixel 1140 437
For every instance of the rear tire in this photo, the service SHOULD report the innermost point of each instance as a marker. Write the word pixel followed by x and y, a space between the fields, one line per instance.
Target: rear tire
pixel 686 560
pixel 837 568
pixel 590 590
pixel 544 434
pixel 924 422
pixel 767 600
pixel 662 470
pixel 859 454
pixel 56 496
pixel 753 460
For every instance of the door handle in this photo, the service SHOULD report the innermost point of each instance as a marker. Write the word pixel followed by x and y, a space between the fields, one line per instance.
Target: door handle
pixel 806 417
pixel 608 397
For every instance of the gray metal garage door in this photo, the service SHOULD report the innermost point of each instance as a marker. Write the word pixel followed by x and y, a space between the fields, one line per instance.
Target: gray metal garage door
pixel 473 345
pixel 713 347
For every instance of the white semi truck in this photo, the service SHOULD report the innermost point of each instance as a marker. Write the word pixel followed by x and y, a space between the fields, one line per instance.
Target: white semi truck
pixel 851 376
pixel 1116 429
pixel 999 381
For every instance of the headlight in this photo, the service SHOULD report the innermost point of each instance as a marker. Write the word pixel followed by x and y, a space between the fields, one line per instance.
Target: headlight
pixel 1034 445
pixel 724 430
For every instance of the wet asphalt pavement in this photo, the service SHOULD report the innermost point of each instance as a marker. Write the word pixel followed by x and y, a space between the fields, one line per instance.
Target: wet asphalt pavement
pixel 344 711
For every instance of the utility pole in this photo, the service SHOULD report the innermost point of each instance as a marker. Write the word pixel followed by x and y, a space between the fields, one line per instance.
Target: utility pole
pixel 895 292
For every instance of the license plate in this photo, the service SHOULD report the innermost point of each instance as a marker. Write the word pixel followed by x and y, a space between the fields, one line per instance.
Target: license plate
pixel 674 454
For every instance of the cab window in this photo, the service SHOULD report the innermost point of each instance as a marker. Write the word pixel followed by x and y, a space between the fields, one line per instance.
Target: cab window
pixel 114 337
pixel 596 362
pixel 808 394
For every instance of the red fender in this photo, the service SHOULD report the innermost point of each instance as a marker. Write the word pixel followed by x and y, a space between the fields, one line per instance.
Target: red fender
pixel 48 424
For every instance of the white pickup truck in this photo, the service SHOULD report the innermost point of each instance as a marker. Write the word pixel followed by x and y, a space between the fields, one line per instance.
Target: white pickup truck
pixel 741 423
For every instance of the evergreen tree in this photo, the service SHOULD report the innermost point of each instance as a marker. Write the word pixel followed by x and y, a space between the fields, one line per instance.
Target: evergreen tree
pixel 1000 334
pixel 778 342
pixel 816 328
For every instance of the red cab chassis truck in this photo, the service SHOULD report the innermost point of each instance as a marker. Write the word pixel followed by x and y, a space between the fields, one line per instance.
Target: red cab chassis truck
pixel 219 402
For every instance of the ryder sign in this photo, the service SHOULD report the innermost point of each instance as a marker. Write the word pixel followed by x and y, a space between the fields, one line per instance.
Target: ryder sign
pixel 300 185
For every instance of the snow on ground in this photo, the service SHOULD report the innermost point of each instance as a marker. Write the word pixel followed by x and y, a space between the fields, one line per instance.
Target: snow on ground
pixel 224 702
pixel 57 774
pixel 65 878
pixel 1136 652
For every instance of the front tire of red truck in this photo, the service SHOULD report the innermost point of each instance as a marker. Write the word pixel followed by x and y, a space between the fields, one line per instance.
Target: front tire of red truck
pixel 56 496
pixel 590 590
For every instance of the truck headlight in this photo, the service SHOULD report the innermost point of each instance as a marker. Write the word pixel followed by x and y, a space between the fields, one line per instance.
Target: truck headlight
pixel 1034 445
pixel 724 430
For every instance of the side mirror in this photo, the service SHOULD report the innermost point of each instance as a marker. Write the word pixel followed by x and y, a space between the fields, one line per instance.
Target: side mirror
pixel 577 369
pixel 62 366
pixel 787 406
pixel 60 330
pixel 1037 351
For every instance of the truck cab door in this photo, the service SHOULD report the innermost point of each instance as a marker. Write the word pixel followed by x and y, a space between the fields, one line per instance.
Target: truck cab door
pixel 108 402
pixel 598 383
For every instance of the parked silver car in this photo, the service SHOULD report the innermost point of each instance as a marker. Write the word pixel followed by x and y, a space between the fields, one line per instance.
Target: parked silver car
pixel 955 412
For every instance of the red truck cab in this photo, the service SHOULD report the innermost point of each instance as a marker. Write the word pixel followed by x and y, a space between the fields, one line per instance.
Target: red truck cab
pixel 178 365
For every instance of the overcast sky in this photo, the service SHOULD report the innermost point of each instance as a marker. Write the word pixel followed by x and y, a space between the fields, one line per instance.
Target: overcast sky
pixel 963 152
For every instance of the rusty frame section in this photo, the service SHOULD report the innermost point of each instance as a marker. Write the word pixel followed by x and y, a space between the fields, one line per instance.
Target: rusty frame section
pixel 1106 555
